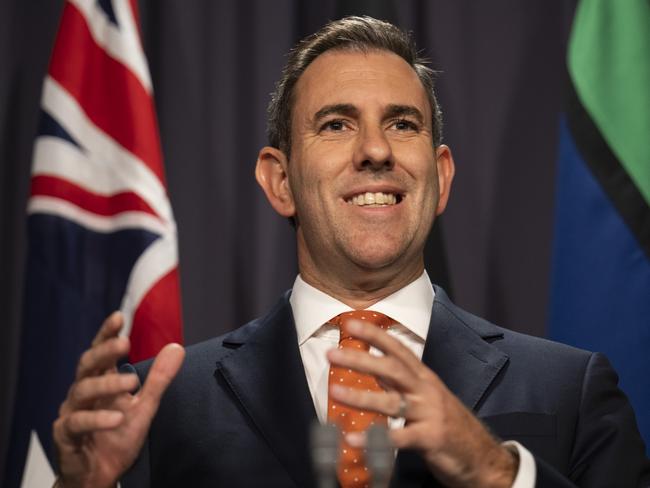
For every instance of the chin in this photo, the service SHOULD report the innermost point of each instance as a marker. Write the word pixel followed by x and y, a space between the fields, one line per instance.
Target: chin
pixel 375 257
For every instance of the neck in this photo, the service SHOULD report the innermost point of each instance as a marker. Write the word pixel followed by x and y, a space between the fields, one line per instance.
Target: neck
pixel 362 288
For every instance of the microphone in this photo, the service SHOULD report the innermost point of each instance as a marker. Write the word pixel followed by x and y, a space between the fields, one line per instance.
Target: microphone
pixel 325 441
pixel 379 455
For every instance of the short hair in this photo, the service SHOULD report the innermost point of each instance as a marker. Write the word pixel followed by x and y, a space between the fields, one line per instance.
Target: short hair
pixel 350 33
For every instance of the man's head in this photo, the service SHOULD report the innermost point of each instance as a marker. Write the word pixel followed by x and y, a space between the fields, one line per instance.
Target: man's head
pixel 366 174
pixel 351 33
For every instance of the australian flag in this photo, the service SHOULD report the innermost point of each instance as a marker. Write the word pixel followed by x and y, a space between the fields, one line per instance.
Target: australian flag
pixel 102 234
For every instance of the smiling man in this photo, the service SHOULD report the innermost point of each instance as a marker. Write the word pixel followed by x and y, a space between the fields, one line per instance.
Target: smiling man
pixel 356 162
pixel 364 177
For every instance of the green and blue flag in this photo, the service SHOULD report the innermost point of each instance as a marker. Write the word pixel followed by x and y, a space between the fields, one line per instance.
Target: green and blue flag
pixel 600 296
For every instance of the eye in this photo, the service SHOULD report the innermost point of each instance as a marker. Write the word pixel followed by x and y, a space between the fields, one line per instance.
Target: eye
pixel 406 125
pixel 334 125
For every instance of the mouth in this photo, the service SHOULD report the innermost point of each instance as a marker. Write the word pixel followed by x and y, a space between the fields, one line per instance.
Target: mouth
pixel 374 199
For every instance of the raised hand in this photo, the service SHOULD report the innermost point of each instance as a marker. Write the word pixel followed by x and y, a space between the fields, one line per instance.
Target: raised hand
pixel 456 446
pixel 101 426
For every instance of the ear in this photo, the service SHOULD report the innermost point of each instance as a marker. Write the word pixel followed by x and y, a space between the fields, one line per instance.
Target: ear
pixel 446 171
pixel 271 174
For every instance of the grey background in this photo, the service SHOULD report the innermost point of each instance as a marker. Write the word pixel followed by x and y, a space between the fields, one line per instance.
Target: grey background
pixel 213 66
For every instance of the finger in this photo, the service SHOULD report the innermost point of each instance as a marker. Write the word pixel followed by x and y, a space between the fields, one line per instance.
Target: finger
pixel 89 390
pixel 86 421
pixel 110 328
pixel 408 437
pixel 387 403
pixel 388 369
pixel 356 439
pixel 162 372
pixel 381 340
pixel 102 357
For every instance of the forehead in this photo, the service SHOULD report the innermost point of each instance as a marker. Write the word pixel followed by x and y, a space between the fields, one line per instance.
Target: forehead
pixel 364 79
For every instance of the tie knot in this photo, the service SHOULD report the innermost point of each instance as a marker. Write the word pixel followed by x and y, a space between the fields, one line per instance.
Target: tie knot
pixel 368 316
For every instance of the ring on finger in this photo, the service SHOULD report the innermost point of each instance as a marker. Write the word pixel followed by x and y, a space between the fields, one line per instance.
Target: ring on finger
pixel 403 406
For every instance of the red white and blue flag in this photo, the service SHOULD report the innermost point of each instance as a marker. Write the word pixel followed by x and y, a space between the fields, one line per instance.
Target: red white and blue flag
pixel 101 231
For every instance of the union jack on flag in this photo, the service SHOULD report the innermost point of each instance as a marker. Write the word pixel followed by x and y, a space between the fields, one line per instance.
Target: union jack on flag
pixel 101 231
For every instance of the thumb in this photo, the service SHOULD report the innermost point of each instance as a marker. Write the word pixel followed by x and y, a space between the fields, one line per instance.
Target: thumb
pixel 162 372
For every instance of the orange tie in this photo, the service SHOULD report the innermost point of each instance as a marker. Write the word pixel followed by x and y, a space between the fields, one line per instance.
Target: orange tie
pixel 352 470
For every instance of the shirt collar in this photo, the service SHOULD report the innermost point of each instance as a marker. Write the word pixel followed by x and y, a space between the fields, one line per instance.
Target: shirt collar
pixel 410 306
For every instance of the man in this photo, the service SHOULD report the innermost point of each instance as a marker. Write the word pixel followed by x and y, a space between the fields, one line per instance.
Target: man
pixel 356 162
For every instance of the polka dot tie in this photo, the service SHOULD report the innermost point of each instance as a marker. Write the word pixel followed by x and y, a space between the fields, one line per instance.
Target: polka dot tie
pixel 352 470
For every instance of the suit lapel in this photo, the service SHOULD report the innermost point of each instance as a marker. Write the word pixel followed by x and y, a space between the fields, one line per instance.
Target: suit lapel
pixel 458 351
pixel 267 376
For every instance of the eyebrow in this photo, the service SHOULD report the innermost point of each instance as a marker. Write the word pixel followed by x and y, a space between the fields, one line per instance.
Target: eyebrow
pixel 404 111
pixel 346 109
pixel 350 110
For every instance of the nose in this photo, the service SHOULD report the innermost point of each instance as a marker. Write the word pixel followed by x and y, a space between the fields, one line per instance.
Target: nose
pixel 373 151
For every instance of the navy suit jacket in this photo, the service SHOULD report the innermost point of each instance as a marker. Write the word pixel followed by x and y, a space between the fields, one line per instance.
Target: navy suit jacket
pixel 238 413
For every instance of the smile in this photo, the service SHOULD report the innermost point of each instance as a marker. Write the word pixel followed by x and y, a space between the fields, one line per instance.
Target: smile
pixel 374 199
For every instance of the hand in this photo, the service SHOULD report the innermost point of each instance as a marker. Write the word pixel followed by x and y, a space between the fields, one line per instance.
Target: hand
pixel 455 445
pixel 101 426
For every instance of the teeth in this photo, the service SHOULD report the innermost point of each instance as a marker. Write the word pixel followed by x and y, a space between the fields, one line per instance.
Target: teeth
pixel 376 199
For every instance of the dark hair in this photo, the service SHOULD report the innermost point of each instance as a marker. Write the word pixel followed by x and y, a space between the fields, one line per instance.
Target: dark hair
pixel 353 33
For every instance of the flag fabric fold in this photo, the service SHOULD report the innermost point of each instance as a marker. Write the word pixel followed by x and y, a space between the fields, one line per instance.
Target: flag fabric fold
pixel 101 230
pixel 600 296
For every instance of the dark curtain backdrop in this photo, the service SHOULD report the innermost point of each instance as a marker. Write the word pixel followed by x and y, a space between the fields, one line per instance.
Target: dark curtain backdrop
pixel 214 64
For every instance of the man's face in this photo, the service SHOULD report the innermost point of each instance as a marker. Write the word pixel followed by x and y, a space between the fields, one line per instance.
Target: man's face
pixel 361 133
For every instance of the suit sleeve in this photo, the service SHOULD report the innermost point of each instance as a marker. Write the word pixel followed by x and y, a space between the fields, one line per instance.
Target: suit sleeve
pixel 608 449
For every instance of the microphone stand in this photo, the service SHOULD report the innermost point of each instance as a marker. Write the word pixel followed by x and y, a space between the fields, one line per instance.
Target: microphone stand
pixel 380 455
pixel 325 441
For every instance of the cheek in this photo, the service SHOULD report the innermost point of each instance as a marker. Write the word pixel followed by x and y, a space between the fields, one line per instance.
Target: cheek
pixel 429 197
pixel 312 183
pixel 304 187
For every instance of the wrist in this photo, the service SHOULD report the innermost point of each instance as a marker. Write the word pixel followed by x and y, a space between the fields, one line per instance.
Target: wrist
pixel 500 467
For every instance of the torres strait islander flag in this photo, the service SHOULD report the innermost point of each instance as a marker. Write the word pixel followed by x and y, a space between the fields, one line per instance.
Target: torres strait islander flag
pixel 600 296
pixel 101 232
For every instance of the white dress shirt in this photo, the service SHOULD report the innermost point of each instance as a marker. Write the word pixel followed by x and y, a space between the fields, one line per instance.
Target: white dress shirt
pixel 410 306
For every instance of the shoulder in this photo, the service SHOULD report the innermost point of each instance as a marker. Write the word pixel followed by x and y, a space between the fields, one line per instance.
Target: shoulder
pixel 533 364
pixel 509 341
pixel 205 355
